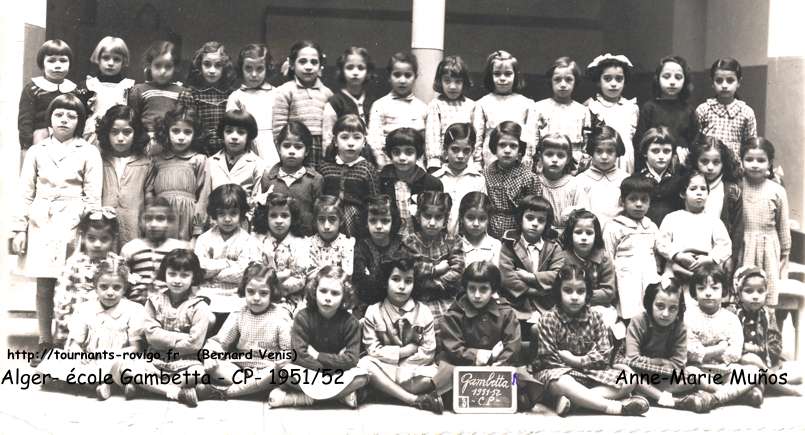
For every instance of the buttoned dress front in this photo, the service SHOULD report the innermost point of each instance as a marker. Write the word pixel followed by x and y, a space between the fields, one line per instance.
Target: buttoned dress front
pixel 126 193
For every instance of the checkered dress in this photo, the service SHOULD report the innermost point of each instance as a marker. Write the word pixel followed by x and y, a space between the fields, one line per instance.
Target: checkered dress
pixel 733 123
pixel 244 331
pixel 210 104
pixel 584 335
pixel 505 188
pixel 353 183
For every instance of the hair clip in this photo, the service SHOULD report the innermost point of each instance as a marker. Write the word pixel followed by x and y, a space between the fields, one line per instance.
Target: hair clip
pixel 620 58
pixel 97 214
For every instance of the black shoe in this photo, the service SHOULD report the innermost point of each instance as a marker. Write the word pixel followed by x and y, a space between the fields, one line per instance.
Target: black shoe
pixel 42 350
pixel 753 397
pixel 700 402
pixel 209 392
pixel 635 405
pixel 430 402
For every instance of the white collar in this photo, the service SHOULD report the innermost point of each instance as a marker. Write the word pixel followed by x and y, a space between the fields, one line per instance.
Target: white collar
pixel 340 161
pixel 47 85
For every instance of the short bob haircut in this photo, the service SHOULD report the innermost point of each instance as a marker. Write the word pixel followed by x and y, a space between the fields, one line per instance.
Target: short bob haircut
pixel 153 202
pixel 110 44
pixel 651 294
pixel 405 136
pixel 502 56
pixel 655 135
pixel 637 184
pixel 507 128
pixel 575 217
pixel 53 47
pixel 712 271
pixel 482 271
pixel 334 272
pixel 687 85
pixel 468 202
pixel 380 205
pixel 453 67
pixel 564 62
pixel 276 199
pixel 538 204
pixel 69 102
pixel 298 129
pixel 459 131
pixel 354 51
pixel 257 271
pixel 227 196
pixel 432 199
pixel 124 113
pixel 158 49
pixel 242 119
pixel 568 272
pixel 350 123
pixel 558 141
pixel 400 261
pixel 602 134
pixel 402 57
pixel 182 260
pixel 254 51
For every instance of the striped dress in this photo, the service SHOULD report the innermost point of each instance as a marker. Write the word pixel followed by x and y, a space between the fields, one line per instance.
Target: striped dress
pixel 180 179
pixel 563 193
pixel 293 101
pixel 143 259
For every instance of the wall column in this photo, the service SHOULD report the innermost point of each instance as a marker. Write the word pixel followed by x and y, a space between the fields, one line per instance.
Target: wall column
pixel 427 43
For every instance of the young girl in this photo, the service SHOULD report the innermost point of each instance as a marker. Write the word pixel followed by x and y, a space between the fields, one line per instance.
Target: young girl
pixel 657 151
pixel 767 236
pixel 98 234
pixel 291 177
pixel 278 228
pixel 329 246
pixel 473 219
pixel 451 106
pixel 61 176
pixel 657 343
pixel 610 75
pixel 302 98
pixel 762 345
pixel 107 323
pixel 122 140
pixel 715 344
pixel 53 59
pixel 458 177
pixel 630 239
pixel 378 242
pixel 690 238
pixel 508 180
pixel 584 247
pixel 326 338
pixel 256 96
pixel 159 94
pixel 347 174
pixel 560 113
pixel 671 87
pixel 725 117
pixel 529 261
pixel 573 352
pixel 400 341
pixel 176 323
pixel 263 324
pixel 145 254
pixel 399 108
pixel 236 163
pixel 354 70
pixel 110 87
pixel 722 171
pixel 601 182
pixel 559 186
pixel 504 81
pixel 440 259
pixel 178 174
pixel 211 79
pixel 226 249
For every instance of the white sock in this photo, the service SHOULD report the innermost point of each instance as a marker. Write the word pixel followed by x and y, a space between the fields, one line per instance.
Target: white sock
pixel 666 399
pixel 614 407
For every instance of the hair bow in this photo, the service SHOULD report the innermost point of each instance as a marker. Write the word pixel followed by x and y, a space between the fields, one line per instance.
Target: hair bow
pixel 620 58
pixel 97 214
pixel 745 272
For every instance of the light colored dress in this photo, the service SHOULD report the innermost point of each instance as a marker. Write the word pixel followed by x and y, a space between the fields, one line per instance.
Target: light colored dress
pixel 259 102
pixel 442 113
pixel 767 235
pixel 622 116
pixel 631 245
pixel 59 180
pixel 491 110
pixel 223 262
pixel 180 179
pixel 125 192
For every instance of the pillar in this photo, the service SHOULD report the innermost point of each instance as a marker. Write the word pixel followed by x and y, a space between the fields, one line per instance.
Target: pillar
pixel 427 43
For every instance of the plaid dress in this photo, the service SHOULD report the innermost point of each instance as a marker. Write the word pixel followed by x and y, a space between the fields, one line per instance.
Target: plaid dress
pixel 584 335
pixel 181 329
pixel 210 104
pixel 353 182
pixel 505 187
pixel 733 123
pixel 244 331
